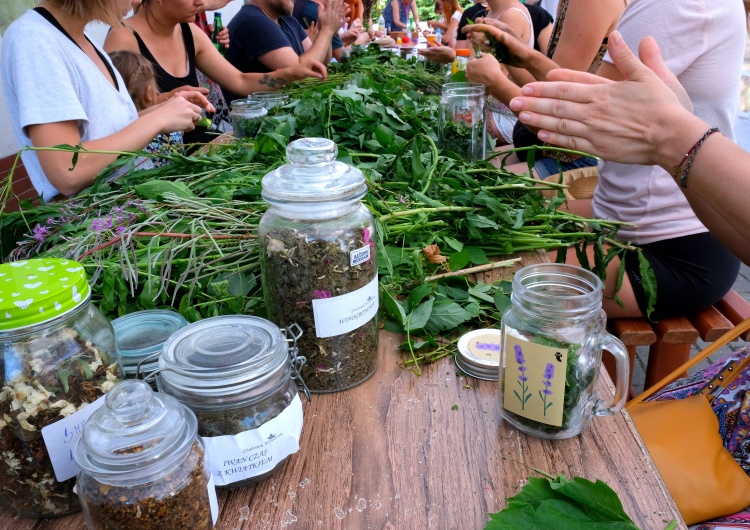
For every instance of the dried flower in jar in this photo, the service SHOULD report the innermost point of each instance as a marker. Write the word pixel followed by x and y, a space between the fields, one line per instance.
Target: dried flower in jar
pixel 47 377
pixel 177 501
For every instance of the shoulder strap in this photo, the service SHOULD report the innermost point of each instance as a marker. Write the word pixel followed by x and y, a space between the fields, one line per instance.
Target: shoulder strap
pixel 49 17
pixel 727 374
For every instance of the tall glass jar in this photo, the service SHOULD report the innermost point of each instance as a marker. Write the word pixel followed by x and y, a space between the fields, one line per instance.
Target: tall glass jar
pixel 58 357
pixel 247 117
pixel 318 263
pixel 143 467
pixel 551 351
pixel 236 373
pixel 461 125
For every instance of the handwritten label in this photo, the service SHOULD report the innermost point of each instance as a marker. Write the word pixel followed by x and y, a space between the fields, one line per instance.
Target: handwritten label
pixel 534 380
pixel 342 314
pixel 60 438
pixel 360 255
pixel 238 457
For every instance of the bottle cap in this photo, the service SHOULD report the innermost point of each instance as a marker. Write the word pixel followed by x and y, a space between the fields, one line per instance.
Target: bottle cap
pixel 142 334
pixel 479 354
pixel 462 53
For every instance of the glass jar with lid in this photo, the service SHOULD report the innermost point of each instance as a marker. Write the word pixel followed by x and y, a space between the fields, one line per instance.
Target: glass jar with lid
pixel 237 374
pixel 143 467
pixel 271 100
pixel 58 357
pixel 247 117
pixel 140 337
pixel 318 263
pixel 461 125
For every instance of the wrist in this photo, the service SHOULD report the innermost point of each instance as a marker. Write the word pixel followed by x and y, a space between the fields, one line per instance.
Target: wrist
pixel 672 144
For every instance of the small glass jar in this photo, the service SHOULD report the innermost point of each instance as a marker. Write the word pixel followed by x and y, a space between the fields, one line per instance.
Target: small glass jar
pixel 143 466
pixel 272 101
pixel 318 263
pixel 551 351
pixel 461 125
pixel 140 337
pixel 247 116
pixel 58 356
pixel 237 374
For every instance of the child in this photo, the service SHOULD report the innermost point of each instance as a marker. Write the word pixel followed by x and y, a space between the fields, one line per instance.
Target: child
pixel 140 80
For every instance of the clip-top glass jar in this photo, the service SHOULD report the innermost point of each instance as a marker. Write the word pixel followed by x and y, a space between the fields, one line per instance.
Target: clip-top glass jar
pixel 461 125
pixel 318 263
pixel 58 356
pixel 271 100
pixel 237 374
pixel 143 467
pixel 551 352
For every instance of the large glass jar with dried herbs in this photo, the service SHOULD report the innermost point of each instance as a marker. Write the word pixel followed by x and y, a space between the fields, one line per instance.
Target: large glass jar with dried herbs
pixel 237 374
pixel 318 263
pixel 58 358
pixel 143 467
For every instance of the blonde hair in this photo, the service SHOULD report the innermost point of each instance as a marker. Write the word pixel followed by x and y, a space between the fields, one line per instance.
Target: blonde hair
pixel 138 74
pixel 88 10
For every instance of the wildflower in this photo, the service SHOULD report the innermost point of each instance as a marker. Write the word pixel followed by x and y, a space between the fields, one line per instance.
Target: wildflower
pixel 40 233
pixel 321 293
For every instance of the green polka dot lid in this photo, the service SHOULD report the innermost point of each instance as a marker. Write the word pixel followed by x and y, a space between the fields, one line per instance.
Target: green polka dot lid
pixel 38 290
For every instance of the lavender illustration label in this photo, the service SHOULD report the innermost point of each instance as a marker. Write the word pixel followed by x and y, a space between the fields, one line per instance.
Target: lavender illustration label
pixel 534 379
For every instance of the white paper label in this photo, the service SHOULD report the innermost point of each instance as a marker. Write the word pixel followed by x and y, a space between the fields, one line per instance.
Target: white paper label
pixel 342 314
pixel 212 500
pixel 360 255
pixel 237 457
pixel 60 438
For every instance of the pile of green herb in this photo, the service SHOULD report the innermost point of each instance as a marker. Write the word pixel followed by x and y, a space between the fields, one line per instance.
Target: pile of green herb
pixel 182 235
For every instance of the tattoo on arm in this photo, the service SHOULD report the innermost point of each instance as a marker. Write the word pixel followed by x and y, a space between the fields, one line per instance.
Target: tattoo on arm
pixel 272 82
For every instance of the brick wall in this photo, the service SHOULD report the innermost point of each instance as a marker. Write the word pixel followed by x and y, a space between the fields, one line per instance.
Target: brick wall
pixel 22 187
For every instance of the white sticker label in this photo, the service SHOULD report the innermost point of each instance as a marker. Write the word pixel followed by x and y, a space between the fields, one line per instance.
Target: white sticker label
pixel 60 438
pixel 237 457
pixel 212 500
pixel 342 314
pixel 360 255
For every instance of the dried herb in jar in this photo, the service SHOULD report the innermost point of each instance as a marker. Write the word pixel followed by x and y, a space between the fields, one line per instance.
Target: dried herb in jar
pixel 47 377
pixel 301 266
pixel 177 501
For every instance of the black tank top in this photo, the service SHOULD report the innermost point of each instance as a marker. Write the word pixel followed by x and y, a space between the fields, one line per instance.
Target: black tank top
pixel 166 81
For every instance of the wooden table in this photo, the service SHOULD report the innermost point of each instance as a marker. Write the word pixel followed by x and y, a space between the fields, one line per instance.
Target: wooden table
pixel 403 452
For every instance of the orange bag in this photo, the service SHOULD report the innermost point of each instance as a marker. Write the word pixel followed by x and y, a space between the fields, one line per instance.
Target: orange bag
pixel 684 441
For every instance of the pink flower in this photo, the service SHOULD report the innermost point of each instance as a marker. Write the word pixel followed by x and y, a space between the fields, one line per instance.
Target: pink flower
pixel 321 293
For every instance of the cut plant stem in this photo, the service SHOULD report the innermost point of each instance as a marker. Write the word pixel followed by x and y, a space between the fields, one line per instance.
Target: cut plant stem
pixel 473 270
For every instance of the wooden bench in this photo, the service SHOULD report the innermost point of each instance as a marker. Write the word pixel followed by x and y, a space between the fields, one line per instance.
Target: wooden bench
pixel 671 339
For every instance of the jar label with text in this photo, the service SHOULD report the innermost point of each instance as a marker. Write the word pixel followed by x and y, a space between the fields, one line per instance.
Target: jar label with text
pixel 238 457
pixel 341 314
pixel 534 380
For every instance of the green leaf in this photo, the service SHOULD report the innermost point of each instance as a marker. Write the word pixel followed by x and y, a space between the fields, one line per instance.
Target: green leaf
pixel 477 255
pixel 418 318
pixel 156 189
pixel 459 260
pixel 393 307
pixel 601 502
pixel 502 301
pixel 418 294
pixel 453 243
pixel 648 280
pixel 447 315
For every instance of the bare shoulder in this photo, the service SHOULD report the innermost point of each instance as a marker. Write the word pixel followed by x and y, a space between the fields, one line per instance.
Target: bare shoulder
pixel 120 38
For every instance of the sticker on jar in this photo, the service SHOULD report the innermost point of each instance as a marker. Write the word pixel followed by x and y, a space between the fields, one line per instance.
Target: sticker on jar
pixel 534 380
pixel 237 457
pixel 60 439
pixel 341 314
pixel 359 256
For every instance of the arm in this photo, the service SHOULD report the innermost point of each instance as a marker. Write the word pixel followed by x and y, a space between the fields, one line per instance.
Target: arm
pixel 586 25
pixel 397 16
pixel 451 32
pixel 214 5
pixel 644 120
pixel 414 11
pixel 175 115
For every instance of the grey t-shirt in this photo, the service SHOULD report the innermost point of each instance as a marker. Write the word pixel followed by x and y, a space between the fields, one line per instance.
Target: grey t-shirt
pixel 48 79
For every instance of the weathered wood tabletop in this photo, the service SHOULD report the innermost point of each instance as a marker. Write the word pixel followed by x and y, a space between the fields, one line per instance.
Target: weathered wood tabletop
pixel 404 452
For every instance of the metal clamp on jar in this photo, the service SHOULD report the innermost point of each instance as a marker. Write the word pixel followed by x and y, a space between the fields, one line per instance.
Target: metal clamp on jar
pixel 237 374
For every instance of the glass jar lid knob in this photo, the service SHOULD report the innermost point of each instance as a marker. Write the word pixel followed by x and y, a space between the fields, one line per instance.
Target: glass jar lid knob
pixel 307 152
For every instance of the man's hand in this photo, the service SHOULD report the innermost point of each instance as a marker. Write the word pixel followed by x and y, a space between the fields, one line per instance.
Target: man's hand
pixel 331 14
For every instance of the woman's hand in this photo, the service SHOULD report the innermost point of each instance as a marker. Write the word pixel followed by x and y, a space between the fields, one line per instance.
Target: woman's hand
pixel 177 114
pixel 625 121
pixel 196 98
pixel 223 37
pixel 166 96
pixel 438 53
pixel 485 70
pixel 516 53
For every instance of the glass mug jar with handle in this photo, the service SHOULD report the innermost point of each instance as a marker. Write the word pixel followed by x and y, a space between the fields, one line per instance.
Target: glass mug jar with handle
pixel 552 338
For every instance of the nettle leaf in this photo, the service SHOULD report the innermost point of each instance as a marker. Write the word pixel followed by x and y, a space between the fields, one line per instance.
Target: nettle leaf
pixel 477 255
pixel 418 318
pixel 459 260
pixel 418 294
pixel 501 301
pixel 353 92
pixel 447 315
pixel 393 308
pixel 600 500
pixel 453 293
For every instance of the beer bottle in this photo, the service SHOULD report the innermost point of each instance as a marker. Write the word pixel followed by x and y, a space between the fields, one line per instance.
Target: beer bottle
pixel 218 26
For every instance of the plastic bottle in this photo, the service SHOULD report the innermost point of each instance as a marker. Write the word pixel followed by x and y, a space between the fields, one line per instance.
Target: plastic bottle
pixel 438 36
pixel 458 70
pixel 381 22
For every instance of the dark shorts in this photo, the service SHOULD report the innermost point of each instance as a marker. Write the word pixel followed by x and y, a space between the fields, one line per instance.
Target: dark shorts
pixel 692 273
pixel 546 166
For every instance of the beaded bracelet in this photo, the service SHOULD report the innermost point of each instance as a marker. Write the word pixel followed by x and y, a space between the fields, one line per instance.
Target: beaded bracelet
pixel 690 156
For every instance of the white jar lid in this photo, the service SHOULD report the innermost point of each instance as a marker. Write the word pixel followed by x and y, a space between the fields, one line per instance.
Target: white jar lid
pixel 479 354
